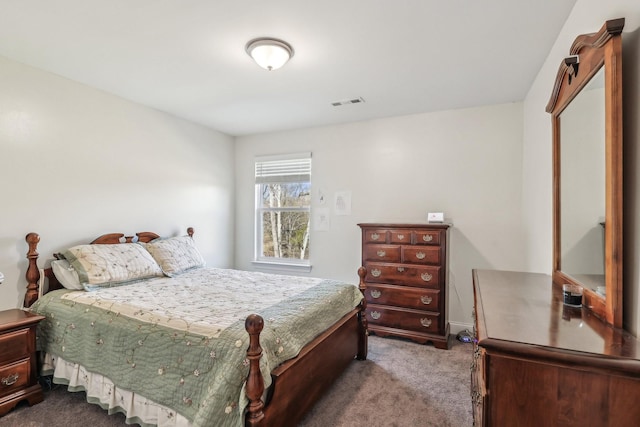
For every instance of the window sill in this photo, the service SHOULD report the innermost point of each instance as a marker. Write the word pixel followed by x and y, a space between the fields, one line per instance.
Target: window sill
pixel 284 267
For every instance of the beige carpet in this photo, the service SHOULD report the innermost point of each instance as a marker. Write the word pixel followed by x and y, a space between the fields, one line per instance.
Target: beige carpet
pixel 401 384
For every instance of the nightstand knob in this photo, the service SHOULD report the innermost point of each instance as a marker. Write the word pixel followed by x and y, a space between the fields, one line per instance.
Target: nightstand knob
pixel 375 315
pixel 375 293
pixel 420 255
pixel 376 273
pixel 375 236
pixel 381 253
pixel 426 277
pixel 427 237
pixel 400 236
pixel 10 380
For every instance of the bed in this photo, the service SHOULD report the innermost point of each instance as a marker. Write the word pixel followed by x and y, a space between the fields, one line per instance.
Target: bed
pixel 146 329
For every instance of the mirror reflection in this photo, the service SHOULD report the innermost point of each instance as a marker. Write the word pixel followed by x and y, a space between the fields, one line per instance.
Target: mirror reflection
pixel 582 187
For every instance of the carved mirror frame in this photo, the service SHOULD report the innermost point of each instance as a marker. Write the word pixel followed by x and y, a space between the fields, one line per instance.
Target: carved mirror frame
pixel 588 54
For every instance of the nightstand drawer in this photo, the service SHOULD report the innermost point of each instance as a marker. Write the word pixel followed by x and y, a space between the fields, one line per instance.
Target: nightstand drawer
pixel 15 345
pixel 14 377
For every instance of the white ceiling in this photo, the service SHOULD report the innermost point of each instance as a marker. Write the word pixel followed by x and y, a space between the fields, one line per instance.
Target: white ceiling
pixel 186 57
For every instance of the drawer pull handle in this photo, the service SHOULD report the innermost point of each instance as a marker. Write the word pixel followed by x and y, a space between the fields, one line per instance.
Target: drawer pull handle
pixel 375 236
pixel 400 269
pixel 375 315
pixel 375 293
pixel 420 255
pixel 381 253
pixel 426 322
pixel 401 236
pixel 426 299
pixel 427 237
pixel 376 273
pixel 10 380
pixel 426 277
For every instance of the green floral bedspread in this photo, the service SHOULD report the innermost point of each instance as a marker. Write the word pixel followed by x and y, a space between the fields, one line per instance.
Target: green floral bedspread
pixel 194 361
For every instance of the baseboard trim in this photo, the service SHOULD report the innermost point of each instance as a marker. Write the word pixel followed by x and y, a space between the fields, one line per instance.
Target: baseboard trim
pixel 456 327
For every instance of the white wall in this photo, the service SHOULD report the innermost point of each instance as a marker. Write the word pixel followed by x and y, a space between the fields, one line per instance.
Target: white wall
pixel 76 162
pixel 465 163
pixel 587 16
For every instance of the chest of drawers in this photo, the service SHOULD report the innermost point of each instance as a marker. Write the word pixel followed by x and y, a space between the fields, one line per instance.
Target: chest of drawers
pixel 406 280
pixel 18 380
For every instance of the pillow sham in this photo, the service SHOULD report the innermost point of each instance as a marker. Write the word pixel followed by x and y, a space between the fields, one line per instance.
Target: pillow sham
pixel 112 264
pixel 175 254
pixel 66 274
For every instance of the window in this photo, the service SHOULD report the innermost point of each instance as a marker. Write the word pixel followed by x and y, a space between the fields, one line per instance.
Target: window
pixel 283 209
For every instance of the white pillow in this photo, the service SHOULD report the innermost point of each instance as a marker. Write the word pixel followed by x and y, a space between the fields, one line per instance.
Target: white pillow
pixel 66 274
pixel 175 254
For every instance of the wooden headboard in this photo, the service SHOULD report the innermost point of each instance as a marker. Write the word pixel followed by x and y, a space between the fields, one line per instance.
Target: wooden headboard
pixel 33 273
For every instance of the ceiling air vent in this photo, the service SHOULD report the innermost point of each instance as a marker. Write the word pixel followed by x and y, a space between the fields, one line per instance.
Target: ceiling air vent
pixel 348 101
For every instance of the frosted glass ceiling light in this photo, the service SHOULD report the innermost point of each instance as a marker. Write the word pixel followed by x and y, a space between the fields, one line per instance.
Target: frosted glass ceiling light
pixel 270 54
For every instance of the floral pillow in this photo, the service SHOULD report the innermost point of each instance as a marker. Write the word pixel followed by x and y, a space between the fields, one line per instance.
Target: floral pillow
pixel 113 264
pixel 175 254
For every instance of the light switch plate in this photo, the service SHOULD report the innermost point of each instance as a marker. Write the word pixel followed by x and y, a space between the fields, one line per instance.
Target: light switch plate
pixel 435 217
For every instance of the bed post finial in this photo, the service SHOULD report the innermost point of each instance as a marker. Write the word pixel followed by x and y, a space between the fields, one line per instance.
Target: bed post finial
pixel 363 333
pixel 190 232
pixel 33 274
pixel 255 383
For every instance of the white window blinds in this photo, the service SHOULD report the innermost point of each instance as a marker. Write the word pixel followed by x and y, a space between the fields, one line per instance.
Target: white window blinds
pixel 281 169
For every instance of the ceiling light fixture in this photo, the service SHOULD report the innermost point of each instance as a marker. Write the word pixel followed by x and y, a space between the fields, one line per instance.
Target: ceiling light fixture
pixel 269 53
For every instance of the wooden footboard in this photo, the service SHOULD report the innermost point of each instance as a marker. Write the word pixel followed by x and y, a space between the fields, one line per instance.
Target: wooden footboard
pixel 300 382
pixel 296 384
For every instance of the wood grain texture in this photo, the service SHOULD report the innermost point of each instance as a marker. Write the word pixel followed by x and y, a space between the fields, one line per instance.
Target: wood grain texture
pixel 406 279
pixel 595 50
pixel 542 363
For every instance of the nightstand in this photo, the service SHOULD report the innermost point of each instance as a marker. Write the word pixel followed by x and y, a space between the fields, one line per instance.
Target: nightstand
pixel 18 377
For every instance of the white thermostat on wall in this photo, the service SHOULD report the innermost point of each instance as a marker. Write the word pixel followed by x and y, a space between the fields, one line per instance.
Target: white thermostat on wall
pixel 435 217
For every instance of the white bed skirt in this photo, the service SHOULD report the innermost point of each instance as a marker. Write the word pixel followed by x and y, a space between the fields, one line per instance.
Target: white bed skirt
pixel 101 391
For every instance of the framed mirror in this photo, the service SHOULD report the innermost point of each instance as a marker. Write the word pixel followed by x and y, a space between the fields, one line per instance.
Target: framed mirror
pixel 586 110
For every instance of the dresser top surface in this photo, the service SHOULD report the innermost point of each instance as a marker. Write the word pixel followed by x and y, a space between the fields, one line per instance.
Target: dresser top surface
pixel 527 308
pixel 443 225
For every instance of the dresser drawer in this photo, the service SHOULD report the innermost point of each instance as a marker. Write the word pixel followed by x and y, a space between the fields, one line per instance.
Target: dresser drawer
pixel 421 255
pixel 375 236
pixel 427 237
pixel 382 253
pixel 400 236
pixel 403 318
pixel 421 299
pixel 15 376
pixel 15 345
pixel 403 274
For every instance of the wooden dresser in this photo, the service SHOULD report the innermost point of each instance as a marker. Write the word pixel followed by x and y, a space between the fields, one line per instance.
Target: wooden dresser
pixel 538 362
pixel 407 280
pixel 18 380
